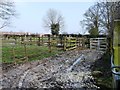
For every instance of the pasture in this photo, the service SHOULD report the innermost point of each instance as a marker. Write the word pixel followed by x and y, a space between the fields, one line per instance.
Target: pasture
pixel 17 48
pixel 17 51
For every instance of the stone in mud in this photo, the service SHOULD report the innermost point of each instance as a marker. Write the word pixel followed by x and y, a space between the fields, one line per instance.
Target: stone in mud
pixel 52 72
pixel 97 73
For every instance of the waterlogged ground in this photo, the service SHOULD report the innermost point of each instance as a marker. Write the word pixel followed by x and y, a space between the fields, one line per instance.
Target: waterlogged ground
pixel 71 69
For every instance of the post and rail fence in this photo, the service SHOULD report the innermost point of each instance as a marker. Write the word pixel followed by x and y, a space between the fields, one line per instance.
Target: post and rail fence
pixel 98 44
pixel 60 42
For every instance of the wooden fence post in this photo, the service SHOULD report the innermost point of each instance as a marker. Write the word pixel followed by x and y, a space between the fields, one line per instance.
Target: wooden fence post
pixel 79 43
pixel 30 40
pixel 13 51
pixel 76 42
pixel 70 43
pixel 64 43
pixel 49 43
pixel 39 41
pixel 42 40
pixel 61 40
pixel 83 41
pixel 26 56
pixel 15 39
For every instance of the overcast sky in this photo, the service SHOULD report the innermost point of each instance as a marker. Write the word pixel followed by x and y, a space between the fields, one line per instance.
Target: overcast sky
pixel 31 14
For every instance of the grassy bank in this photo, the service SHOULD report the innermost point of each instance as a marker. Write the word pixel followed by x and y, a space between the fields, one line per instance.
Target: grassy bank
pixel 103 66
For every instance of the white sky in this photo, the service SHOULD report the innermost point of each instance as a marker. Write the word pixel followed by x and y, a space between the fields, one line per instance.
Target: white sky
pixel 31 16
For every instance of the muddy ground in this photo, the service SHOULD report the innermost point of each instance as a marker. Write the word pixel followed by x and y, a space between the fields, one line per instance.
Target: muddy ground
pixel 71 69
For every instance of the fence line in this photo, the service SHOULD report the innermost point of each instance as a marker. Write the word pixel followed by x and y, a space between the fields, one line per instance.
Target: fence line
pixel 51 42
pixel 98 44
pixel 27 43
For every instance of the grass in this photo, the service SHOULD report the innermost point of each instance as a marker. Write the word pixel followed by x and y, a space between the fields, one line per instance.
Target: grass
pixel 103 65
pixel 34 52
pixel 12 48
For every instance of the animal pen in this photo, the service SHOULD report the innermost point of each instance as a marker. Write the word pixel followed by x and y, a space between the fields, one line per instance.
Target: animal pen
pixel 29 43
pixel 20 47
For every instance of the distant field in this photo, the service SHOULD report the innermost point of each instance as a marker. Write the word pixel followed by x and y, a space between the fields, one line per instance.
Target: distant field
pixel 34 52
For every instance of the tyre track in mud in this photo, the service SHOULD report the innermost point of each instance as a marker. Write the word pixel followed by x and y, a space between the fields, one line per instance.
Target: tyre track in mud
pixel 50 71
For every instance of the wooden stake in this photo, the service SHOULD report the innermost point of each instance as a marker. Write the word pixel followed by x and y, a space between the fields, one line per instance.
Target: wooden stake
pixel 49 43
pixel 26 56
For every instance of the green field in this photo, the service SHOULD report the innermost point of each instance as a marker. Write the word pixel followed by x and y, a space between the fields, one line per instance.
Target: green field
pixel 34 52
pixel 35 49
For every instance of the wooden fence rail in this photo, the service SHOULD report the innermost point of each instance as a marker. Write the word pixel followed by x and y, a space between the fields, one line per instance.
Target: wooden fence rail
pixel 26 44
pixel 70 43
pixel 98 44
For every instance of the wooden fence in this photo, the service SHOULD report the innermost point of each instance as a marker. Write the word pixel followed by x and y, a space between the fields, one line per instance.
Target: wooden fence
pixel 69 43
pixel 27 44
pixel 63 42
pixel 52 43
pixel 98 44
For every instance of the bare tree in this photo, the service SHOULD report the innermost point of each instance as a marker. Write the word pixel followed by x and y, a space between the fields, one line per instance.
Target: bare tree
pixel 6 12
pixel 101 16
pixel 108 15
pixel 54 21
pixel 91 21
